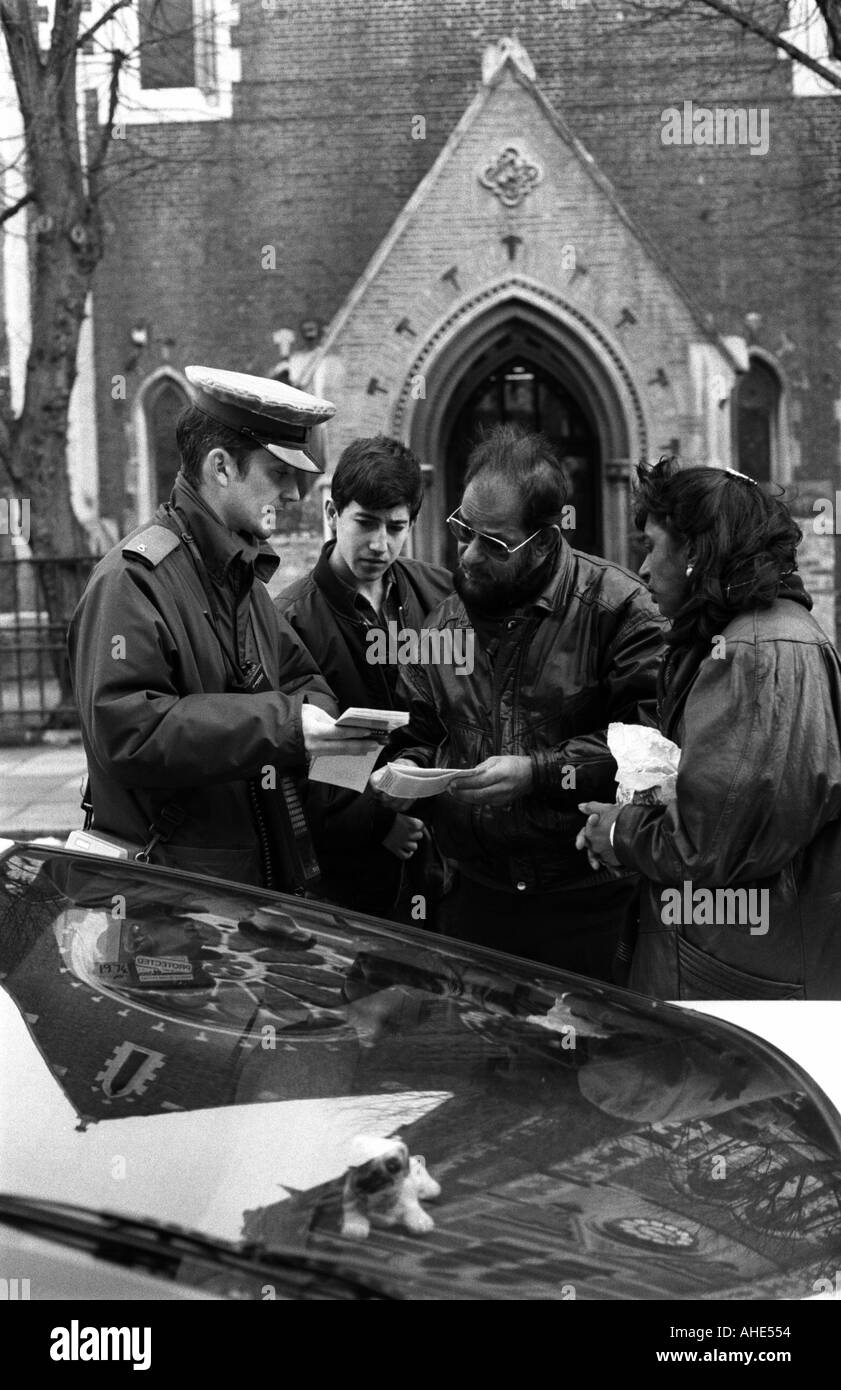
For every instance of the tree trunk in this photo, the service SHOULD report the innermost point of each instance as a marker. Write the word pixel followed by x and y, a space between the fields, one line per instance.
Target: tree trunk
pixel 38 438
pixel 65 233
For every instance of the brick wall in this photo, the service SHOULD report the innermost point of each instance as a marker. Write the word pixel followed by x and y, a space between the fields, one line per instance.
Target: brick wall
pixel 319 160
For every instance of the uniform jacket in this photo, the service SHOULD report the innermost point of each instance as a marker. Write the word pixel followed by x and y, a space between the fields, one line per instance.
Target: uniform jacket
pixel 758 801
pixel 582 654
pixel 151 684
pixel 349 829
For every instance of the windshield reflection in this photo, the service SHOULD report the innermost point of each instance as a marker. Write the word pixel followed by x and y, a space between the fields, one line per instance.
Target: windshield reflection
pixel 587 1144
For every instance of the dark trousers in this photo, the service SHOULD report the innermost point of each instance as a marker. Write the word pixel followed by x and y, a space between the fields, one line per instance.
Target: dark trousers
pixel 574 928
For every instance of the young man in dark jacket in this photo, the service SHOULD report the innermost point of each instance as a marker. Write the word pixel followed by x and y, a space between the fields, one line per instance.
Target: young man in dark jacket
pixel 171 634
pixel 566 643
pixel 352 612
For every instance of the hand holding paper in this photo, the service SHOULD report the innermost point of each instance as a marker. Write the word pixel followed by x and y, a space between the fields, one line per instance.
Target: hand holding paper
pixel 357 736
pixel 324 734
pixel 406 781
pixel 375 721
pixel 498 781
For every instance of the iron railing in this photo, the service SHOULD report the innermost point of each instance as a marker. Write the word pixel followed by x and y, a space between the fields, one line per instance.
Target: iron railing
pixel 37 599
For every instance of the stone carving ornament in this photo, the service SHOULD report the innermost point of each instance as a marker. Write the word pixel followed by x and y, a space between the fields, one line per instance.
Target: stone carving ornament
pixel 511 175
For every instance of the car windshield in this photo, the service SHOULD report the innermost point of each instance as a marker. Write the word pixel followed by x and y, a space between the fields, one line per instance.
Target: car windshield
pixel 182 1051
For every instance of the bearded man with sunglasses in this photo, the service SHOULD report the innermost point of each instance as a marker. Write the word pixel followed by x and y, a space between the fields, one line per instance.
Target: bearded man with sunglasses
pixel 565 644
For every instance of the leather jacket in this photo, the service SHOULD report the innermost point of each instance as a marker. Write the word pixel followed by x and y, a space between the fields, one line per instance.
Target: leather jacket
pixel 582 654
pixel 349 828
pixel 757 809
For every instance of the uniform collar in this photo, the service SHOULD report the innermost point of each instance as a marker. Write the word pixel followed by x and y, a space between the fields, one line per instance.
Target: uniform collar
pixel 221 548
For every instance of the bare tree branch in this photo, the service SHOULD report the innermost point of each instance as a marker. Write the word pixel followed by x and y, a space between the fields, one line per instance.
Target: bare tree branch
pixel 755 27
pixel 24 57
pixel 118 61
pixel 103 19
pixel 15 208
pixel 65 28
pixel 831 11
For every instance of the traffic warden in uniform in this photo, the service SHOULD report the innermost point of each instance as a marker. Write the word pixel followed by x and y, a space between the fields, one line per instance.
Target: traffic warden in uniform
pixel 196 700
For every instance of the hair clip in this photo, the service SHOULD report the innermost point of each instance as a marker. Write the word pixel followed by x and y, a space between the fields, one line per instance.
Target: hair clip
pixel 743 476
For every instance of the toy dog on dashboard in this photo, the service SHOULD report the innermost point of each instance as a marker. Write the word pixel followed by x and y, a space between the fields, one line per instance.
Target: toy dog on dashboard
pixel 385 1187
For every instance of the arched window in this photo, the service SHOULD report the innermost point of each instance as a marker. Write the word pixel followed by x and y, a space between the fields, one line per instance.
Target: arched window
pixel 757 421
pixel 163 404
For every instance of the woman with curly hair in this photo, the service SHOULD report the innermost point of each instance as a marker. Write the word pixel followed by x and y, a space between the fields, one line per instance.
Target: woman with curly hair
pixel 743 898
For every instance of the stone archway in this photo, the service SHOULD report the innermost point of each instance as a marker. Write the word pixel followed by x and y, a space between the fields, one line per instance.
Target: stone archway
pixel 576 366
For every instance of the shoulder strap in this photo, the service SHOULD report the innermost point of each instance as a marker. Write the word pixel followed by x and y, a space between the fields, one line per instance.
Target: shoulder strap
pixel 165 823
pixel 87 803
pixel 152 544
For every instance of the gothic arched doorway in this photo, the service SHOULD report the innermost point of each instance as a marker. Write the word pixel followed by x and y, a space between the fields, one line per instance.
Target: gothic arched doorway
pixel 518 352
pixel 520 391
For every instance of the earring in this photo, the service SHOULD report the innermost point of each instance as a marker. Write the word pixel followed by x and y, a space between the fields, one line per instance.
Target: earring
pixel 689 569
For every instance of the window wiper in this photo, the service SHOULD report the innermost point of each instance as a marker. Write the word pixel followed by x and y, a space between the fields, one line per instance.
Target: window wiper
pixel 160 1249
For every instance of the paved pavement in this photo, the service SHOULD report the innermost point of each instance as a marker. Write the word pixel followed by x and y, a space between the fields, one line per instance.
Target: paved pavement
pixel 39 789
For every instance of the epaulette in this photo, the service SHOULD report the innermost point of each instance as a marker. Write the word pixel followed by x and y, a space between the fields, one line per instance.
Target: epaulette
pixel 152 545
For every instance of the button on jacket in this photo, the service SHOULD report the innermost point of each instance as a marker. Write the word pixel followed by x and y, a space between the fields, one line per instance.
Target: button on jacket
pixel 150 682
pixel 582 654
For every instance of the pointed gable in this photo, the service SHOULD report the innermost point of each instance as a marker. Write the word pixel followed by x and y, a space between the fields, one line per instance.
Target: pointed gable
pixel 515 199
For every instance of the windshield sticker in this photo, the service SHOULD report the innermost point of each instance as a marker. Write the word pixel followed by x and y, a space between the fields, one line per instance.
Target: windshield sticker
pixel 151 968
